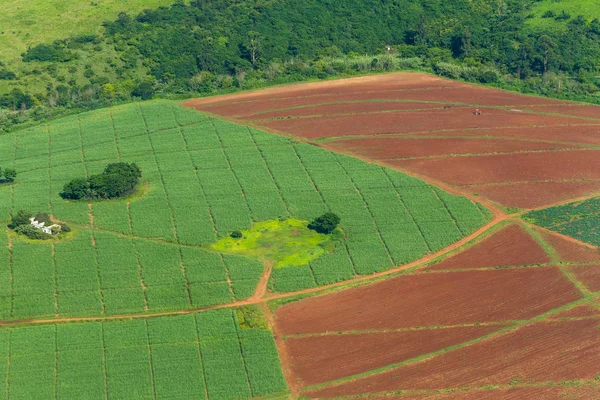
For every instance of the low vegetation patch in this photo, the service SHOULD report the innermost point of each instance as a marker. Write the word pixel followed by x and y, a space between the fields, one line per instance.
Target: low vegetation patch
pixel 284 243
pixel 117 180
pixel 7 175
pixel 38 227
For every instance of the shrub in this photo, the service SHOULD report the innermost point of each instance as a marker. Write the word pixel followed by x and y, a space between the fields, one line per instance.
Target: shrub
pixel 44 52
pixel 21 218
pixel 145 90
pixel 115 181
pixel 326 223
pixel 64 228
pixel 7 175
pixel 33 233
pixel 7 75
pixel 236 235
pixel 43 217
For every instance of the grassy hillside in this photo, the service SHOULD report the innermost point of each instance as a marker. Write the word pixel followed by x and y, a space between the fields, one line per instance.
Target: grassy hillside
pixel 30 22
pixel 541 10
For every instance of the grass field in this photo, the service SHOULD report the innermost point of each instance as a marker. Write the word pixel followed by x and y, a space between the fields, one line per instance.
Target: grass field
pixel 589 9
pixel 196 356
pixel 205 178
pixel 28 23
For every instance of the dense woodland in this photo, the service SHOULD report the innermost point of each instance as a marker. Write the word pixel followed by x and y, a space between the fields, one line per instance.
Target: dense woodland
pixel 213 46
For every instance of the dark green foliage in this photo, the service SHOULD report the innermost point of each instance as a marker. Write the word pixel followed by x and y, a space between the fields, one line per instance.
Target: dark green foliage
pixel 145 90
pixel 7 75
pixel 32 233
pixel 326 223
pixel 43 217
pixel 64 228
pixel 115 181
pixel 44 52
pixel 236 235
pixel 21 218
pixel 7 175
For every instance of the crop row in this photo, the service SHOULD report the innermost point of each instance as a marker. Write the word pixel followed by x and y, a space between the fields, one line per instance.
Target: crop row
pixel 197 356
pixel 101 273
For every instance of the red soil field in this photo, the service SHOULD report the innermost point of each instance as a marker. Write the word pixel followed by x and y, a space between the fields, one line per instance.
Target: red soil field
pixel 579 392
pixel 549 351
pixel 511 246
pixel 569 251
pixel 558 165
pixel 586 111
pixel 431 300
pixel 585 310
pixel 408 122
pixel 382 148
pixel 344 108
pixel 535 194
pixel 589 275
pixel 575 133
pixel 317 359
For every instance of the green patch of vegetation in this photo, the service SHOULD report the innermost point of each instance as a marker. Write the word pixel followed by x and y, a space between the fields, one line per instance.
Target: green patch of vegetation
pixel 251 317
pixel 38 227
pixel 579 220
pixel 7 175
pixel 284 243
pixel 552 14
pixel 117 180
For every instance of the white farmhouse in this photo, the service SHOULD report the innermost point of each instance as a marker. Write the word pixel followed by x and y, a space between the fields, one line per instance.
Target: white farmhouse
pixel 42 226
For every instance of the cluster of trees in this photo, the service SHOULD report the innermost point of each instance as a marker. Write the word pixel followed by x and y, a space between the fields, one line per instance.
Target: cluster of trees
pixel 326 223
pixel 117 180
pixel 21 224
pixel 209 47
pixel 7 175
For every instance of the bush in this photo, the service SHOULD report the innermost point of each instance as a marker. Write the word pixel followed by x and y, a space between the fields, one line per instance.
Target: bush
pixel 43 217
pixel 20 219
pixel 236 235
pixel 145 90
pixel 64 228
pixel 33 233
pixel 7 175
pixel 115 181
pixel 326 223
pixel 7 75
pixel 44 52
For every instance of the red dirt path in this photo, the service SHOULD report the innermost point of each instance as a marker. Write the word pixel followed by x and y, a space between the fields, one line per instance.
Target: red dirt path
pixel 511 246
pixel 431 300
pixel 541 352
pixel 317 359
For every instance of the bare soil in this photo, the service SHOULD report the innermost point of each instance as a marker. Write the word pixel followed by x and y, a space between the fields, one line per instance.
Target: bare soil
pixel 549 351
pixel 511 246
pixel 431 300
pixel 317 359
pixel 571 252
pixel 589 275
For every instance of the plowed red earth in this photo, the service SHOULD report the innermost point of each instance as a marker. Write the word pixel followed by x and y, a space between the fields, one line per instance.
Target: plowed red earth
pixel 538 123
pixel 541 352
pixel 589 275
pixel 317 359
pixel 408 122
pixel 585 310
pixel 577 392
pixel 569 251
pixel 432 300
pixel 390 148
pixel 511 246
pixel 535 194
pixel 569 164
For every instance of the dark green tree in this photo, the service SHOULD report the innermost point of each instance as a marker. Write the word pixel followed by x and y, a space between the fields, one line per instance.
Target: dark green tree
pixel 21 218
pixel 326 223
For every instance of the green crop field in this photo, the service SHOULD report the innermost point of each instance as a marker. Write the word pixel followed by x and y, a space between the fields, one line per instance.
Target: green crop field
pixel 204 179
pixel 30 22
pixel 579 220
pixel 195 356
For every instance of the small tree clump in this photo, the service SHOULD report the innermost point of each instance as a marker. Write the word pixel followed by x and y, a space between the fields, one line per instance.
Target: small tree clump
pixel 115 181
pixel 236 235
pixel 32 232
pixel 326 223
pixel 7 175
pixel 20 218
